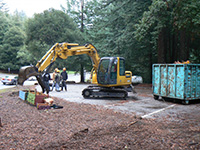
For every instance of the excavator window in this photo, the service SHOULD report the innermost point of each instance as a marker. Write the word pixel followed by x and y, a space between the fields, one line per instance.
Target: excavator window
pixel 121 67
pixel 107 71
pixel 113 72
pixel 103 71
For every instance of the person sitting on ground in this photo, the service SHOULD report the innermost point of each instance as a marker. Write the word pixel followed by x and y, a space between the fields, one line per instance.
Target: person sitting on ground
pixel 64 76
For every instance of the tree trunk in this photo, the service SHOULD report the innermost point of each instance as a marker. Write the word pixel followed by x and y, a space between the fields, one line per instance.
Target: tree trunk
pixel 82 67
pixel 82 74
pixel 184 51
pixel 161 47
pixel 150 66
pixel 175 49
pixel 82 6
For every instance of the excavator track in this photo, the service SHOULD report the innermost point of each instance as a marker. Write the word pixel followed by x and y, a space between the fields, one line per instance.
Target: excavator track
pixel 96 91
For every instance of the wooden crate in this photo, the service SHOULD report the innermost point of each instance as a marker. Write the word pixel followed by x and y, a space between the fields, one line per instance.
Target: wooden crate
pixel 36 97
pixel 31 98
pixel 39 99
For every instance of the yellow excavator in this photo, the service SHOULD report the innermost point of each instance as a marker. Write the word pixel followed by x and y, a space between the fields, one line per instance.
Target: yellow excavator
pixel 108 75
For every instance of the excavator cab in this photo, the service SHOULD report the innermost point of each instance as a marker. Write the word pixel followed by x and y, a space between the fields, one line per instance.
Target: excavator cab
pixel 111 72
pixel 107 71
pixel 112 79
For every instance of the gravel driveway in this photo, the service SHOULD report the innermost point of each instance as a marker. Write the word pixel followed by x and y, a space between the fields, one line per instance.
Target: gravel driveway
pixel 141 104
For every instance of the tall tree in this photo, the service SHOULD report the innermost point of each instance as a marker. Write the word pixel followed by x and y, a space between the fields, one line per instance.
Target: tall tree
pixel 50 27
pixel 12 39
pixel 3 6
pixel 172 24
pixel 113 29
pixel 76 9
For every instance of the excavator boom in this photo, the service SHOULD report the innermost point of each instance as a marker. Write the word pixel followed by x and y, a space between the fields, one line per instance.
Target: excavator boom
pixel 59 50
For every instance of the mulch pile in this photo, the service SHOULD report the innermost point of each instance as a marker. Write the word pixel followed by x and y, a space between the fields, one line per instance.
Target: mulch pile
pixel 85 126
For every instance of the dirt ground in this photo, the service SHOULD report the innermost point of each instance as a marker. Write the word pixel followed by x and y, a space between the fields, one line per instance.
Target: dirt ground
pixel 86 126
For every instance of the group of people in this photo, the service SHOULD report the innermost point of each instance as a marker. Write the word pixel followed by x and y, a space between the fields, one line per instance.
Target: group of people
pixel 59 80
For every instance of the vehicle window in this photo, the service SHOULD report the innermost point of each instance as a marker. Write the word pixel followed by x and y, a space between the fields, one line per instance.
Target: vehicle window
pixel 113 73
pixel 122 67
pixel 103 71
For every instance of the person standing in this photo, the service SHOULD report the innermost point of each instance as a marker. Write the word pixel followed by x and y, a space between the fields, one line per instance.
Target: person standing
pixel 53 78
pixel 64 77
pixel 46 78
pixel 57 80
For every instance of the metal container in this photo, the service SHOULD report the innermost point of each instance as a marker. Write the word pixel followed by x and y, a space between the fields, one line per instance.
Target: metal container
pixel 177 81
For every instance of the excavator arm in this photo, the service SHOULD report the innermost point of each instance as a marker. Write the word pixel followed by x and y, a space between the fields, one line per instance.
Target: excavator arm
pixel 59 50
pixel 64 50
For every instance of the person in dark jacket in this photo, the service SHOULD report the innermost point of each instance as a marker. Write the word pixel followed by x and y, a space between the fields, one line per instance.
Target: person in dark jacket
pixel 64 77
pixel 46 79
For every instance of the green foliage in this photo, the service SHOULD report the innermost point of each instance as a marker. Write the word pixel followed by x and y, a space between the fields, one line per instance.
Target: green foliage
pixel 51 26
pixel 3 7
pixel 172 28
pixel 143 32
pixel 113 33
pixel 78 11
pixel 12 39
pixel 47 28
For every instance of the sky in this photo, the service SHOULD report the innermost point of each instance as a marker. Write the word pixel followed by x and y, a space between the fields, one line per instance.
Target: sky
pixel 33 6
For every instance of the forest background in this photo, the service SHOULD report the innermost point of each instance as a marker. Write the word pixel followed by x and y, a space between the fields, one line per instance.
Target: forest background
pixel 144 32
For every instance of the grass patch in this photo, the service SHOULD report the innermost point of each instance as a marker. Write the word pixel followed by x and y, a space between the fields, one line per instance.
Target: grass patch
pixel 4 90
pixel 12 89
pixel 71 72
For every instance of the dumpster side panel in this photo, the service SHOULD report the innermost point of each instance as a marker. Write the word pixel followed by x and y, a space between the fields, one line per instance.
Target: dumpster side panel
pixel 164 80
pixel 198 82
pixel 192 90
pixel 171 81
pixel 168 80
pixel 156 79
pixel 180 80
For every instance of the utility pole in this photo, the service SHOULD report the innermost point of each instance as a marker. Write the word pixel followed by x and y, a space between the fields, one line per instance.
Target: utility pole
pixel 82 6
pixel 82 25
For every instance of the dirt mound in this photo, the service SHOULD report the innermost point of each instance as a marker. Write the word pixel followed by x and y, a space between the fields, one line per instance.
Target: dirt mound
pixel 84 126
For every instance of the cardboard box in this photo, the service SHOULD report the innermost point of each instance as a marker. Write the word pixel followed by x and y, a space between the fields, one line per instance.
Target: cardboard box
pixel 23 94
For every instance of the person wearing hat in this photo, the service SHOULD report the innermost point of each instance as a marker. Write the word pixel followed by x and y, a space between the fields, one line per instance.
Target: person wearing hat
pixel 53 78
pixel 64 77
pixel 57 80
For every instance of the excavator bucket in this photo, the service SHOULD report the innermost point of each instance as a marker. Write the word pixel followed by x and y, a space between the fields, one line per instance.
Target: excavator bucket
pixel 26 72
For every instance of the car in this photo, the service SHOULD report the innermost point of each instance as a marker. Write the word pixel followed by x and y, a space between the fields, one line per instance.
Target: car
pixel 136 80
pixel 9 80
